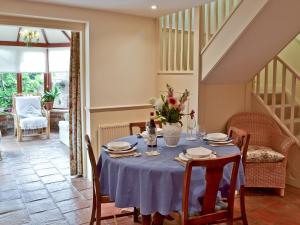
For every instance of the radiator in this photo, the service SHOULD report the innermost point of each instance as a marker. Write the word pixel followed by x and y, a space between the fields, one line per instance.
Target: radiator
pixel 107 133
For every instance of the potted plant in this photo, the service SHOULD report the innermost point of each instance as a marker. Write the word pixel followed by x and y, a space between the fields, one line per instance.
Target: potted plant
pixel 49 97
pixel 169 109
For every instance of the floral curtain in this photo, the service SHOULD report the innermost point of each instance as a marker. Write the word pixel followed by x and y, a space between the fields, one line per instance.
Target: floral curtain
pixel 75 107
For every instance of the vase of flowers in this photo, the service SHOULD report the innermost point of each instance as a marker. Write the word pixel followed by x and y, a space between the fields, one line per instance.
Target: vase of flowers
pixel 169 109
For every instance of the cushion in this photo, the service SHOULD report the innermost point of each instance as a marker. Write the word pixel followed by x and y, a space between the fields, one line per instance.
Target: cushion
pixel 28 106
pixel 33 123
pixel 262 154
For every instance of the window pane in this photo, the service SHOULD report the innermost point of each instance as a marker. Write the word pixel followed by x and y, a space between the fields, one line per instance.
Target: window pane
pixel 33 83
pixel 8 87
pixel 61 80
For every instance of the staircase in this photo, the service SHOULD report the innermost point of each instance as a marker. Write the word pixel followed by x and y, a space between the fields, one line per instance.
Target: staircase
pixel 277 88
pixel 256 31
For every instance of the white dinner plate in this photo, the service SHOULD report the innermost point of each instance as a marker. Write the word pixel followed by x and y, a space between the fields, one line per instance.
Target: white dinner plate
pixel 120 152
pixel 185 157
pixel 119 145
pixel 216 137
pixel 198 152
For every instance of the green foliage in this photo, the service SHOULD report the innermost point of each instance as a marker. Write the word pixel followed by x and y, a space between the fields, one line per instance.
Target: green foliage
pixel 8 87
pixel 31 83
pixel 49 96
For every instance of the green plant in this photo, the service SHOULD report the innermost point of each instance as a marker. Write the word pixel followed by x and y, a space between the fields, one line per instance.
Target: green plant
pixel 8 87
pixel 49 96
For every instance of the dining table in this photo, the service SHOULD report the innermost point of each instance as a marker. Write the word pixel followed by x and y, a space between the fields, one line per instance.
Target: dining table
pixel 155 183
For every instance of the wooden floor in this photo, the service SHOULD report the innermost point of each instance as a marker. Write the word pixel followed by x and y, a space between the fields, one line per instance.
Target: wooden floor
pixel 36 188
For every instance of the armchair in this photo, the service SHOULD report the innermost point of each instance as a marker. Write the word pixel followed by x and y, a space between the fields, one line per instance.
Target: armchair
pixel 29 117
pixel 267 154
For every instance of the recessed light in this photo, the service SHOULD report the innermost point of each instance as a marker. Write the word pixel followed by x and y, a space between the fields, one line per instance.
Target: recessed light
pixel 154 7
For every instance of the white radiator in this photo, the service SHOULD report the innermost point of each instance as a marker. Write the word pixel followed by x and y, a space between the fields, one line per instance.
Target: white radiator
pixel 107 133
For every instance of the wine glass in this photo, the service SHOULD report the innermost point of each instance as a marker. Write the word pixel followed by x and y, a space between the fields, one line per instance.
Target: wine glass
pixel 191 125
pixel 201 130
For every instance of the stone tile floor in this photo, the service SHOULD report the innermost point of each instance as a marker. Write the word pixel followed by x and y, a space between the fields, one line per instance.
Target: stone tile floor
pixel 36 189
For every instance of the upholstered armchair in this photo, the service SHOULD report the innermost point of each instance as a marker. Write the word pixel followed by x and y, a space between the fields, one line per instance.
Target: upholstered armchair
pixel 267 154
pixel 29 117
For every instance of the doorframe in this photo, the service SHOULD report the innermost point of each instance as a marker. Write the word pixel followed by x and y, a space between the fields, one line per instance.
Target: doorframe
pixel 83 28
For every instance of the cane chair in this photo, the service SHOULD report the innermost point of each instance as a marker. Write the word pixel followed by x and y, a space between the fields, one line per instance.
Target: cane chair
pixel 265 134
pixel 99 199
pixel 29 117
pixel 241 139
pixel 214 173
pixel 141 126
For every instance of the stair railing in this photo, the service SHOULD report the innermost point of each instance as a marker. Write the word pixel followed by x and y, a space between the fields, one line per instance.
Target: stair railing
pixel 214 15
pixel 278 82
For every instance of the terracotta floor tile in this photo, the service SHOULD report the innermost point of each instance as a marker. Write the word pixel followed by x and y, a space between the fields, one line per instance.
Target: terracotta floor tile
pixel 46 172
pixel 27 179
pixel 81 184
pixel 33 186
pixel 43 166
pixel 19 217
pixel 88 193
pixel 35 195
pixel 27 171
pixel 65 194
pixel 78 217
pixel 6 186
pixel 40 205
pixel 46 217
pixel 73 204
pixel 53 187
pixel 52 178
pixel 9 195
pixel 11 205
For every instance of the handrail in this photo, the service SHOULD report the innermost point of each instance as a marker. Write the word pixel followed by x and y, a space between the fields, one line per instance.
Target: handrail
pixel 223 23
pixel 261 89
pixel 288 66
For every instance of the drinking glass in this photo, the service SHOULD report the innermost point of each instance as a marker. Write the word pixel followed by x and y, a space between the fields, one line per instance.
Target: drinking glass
pixel 201 130
pixel 191 125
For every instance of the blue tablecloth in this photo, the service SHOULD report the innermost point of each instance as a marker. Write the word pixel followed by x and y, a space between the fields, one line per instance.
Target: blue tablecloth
pixel 154 184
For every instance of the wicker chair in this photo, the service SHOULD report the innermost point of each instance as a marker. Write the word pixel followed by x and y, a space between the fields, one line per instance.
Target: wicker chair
pixel 30 118
pixel 265 132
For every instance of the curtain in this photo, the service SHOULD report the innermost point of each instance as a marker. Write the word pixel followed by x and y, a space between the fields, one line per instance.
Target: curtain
pixel 75 107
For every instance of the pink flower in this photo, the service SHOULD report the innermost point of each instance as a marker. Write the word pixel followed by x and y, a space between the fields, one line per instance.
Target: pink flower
pixel 172 101
pixel 192 114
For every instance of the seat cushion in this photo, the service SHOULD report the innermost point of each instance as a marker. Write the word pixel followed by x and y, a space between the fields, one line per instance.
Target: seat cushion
pixel 33 123
pixel 262 154
pixel 28 106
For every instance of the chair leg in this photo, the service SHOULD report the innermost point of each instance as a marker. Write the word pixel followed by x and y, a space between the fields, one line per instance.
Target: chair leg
pixel 136 215
pixel 98 213
pixel 93 209
pixel 242 205
pixel 280 192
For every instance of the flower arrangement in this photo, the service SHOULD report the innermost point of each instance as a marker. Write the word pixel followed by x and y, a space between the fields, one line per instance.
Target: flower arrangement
pixel 169 109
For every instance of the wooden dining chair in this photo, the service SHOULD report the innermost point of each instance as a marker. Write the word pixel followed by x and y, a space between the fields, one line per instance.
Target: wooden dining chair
pixel 142 126
pixel 241 139
pixel 214 174
pixel 99 199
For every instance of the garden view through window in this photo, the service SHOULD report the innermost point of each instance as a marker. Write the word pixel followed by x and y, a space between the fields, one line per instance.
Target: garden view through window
pixel 23 70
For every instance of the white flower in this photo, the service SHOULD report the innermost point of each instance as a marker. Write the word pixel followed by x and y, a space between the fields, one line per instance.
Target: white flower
pixel 158 104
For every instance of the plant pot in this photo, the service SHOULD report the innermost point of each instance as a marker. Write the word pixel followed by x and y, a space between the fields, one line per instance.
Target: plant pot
pixel 48 105
pixel 171 133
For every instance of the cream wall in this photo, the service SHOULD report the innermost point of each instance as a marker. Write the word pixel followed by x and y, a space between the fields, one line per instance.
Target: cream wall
pixel 219 102
pixel 120 54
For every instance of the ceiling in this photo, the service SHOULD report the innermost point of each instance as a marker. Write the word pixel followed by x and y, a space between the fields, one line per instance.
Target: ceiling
pixel 134 7
pixel 10 34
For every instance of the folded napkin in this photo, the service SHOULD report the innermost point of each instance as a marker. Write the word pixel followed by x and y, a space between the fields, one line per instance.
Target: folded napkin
pixel 220 144
pixel 112 155
pixel 183 163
